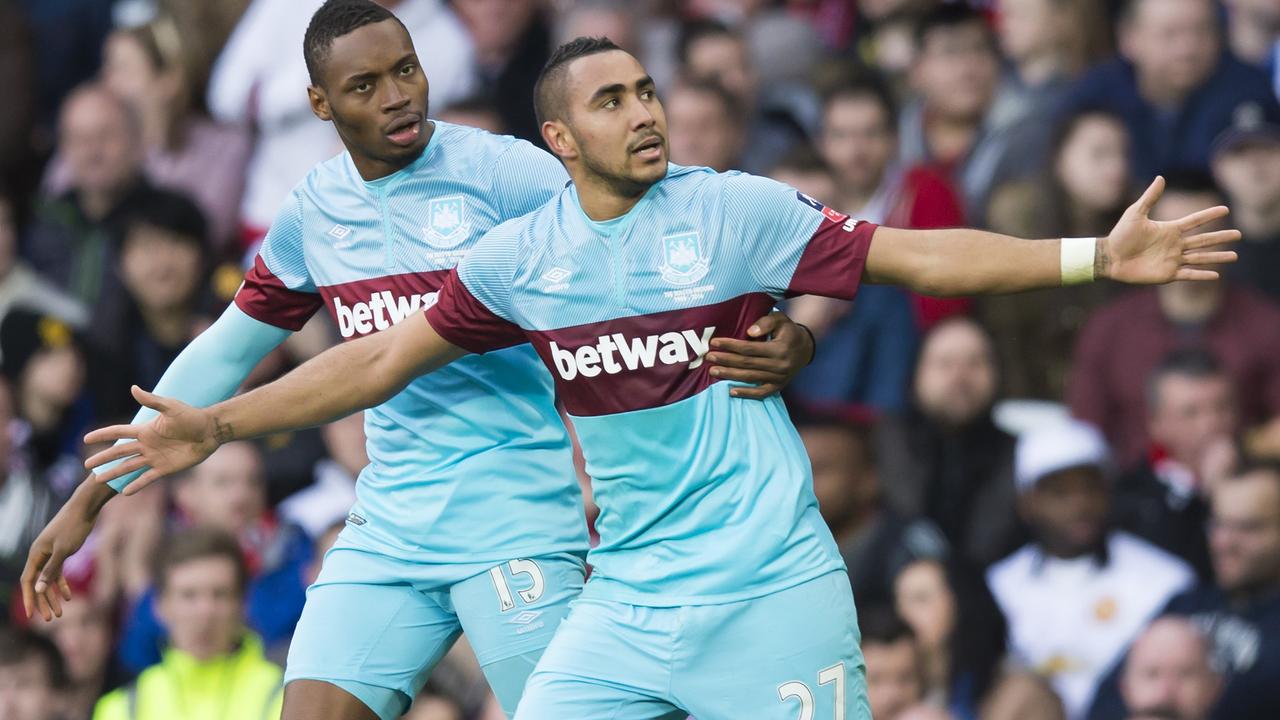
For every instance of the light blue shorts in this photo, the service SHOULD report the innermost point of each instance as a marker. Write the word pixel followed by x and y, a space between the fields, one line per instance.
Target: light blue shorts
pixel 376 625
pixel 789 655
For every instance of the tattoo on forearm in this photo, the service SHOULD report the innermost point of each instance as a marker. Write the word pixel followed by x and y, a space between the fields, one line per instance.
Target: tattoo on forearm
pixel 223 432
pixel 1101 261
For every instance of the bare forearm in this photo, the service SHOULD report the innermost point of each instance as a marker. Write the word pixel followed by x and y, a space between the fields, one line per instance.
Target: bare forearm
pixel 967 262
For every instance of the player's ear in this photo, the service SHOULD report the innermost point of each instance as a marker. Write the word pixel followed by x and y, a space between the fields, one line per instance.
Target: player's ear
pixel 559 139
pixel 319 102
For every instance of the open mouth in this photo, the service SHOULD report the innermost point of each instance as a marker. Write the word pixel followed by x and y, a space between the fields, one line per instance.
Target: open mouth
pixel 405 130
pixel 649 149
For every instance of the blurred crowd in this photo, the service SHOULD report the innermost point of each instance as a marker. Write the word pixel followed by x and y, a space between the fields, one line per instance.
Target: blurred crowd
pixel 1057 505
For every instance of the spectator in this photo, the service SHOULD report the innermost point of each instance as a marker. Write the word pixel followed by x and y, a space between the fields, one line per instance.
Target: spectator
pixel 512 42
pixel 162 264
pixel 1174 85
pixel 614 19
pixel 1193 425
pixel 872 538
pixel 45 363
pixel 944 458
pixel 228 492
pixel 962 639
pixel 1170 672
pixel 26 503
pixel 83 635
pixel 1082 192
pixel 1078 594
pixel 894 681
pixel 184 152
pixel 1121 344
pixel 20 286
pixel 31 676
pixel 1246 164
pixel 950 125
pixel 474 112
pixel 212 661
pixel 259 77
pixel 1253 31
pixel 704 125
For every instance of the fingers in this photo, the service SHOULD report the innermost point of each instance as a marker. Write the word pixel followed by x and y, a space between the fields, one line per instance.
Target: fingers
pixel 755 377
pixel 128 466
pixel 35 561
pixel 112 434
pixel 1189 273
pixel 768 324
pixel 151 400
pixel 767 363
pixel 1220 257
pixel 748 348
pixel 144 480
pixel 1200 217
pixel 115 452
pixel 51 583
pixel 755 393
pixel 65 587
pixel 1210 239
pixel 1150 196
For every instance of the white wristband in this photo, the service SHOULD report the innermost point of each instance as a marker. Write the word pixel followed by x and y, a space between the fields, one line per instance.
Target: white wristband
pixel 1077 260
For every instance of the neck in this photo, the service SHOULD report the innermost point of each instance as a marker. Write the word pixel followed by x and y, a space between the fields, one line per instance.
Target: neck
pixel 853 524
pixel 1190 302
pixel 371 169
pixel 1259 222
pixel 949 137
pixel 1039 69
pixel 1243 596
pixel 155 127
pixel 96 204
pixel 1158 93
pixel 602 201
pixel 936 668
pixel 1083 220
pixel 168 326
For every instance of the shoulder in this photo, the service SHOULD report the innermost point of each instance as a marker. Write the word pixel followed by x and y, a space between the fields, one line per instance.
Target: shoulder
pixel 1011 570
pixel 1130 552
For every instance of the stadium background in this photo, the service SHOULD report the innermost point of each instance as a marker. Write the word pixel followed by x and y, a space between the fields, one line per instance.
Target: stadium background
pixel 145 145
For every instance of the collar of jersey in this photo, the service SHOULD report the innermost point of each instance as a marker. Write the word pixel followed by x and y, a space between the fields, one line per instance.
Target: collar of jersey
pixel 389 182
pixel 618 226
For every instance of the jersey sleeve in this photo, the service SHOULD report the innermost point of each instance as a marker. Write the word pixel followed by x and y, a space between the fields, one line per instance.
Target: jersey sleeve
pixel 793 244
pixel 278 289
pixel 473 309
pixel 528 178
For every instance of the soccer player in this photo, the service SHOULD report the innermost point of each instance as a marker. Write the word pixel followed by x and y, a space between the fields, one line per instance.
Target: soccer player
pixel 718 591
pixel 469 516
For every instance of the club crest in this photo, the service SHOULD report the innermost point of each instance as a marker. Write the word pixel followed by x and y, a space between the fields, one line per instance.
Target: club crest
pixel 682 260
pixel 447 222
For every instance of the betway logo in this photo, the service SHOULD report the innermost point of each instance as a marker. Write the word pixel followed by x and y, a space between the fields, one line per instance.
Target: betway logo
pixel 615 353
pixel 381 312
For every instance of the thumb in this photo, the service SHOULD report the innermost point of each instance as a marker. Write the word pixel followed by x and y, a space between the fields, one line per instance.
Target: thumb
pixel 148 399
pixel 1151 196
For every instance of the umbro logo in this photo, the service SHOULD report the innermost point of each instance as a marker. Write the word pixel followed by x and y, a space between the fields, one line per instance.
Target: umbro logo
pixel 525 617
pixel 555 278
pixel 339 232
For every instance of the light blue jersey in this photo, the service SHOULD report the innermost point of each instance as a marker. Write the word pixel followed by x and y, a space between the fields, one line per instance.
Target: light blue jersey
pixel 470 464
pixel 702 499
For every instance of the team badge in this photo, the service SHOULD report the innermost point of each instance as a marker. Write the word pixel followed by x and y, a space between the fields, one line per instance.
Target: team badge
pixel 448 226
pixel 682 260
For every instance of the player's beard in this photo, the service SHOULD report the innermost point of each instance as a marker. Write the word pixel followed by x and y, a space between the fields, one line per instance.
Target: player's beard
pixel 619 182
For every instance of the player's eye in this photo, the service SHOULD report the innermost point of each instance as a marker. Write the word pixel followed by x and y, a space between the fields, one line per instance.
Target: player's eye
pixel 611 103
pixel 646 95
pixel 408 69
pixel 363 88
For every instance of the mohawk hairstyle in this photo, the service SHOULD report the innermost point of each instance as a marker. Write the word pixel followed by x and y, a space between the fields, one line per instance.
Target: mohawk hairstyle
pixel 548 93
pixel 333 20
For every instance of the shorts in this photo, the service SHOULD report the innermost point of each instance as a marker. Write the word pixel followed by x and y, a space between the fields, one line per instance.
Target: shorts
pixel 790 655
pixel 376 625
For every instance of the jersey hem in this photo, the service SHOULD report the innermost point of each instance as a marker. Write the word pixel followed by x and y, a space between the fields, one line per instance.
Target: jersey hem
pixel 647 600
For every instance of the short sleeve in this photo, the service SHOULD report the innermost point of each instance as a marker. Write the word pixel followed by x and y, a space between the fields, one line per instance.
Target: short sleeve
pixel 793 244
pixel 473 309
pixel 527 178
pixel 278 289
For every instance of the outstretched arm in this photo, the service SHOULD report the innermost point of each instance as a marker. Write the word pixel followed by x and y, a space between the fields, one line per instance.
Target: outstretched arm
pixel 1139 250
pixel 336 383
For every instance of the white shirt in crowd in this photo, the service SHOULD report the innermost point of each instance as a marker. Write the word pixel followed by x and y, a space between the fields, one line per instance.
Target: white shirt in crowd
pixel 1072 620
pixel 260 79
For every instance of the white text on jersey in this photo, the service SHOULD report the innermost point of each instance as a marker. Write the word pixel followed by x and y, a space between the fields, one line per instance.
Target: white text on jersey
pixel 381 312
pixel 669 348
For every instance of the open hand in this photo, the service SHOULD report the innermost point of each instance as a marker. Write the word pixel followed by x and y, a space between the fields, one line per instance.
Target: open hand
pixel 180 437
pixel 1143 251
pixel 781 350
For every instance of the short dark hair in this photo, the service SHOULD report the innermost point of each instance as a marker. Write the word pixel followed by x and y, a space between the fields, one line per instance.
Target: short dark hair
pixel 20 645
pixel 695 30
pixel 174 213
pixel 1190 181
pixel 802 158
pixel 865 85
pixel 950 17
pixel 728 102
pixel 548 92
pixel 196 544
pixel 881 624
pixel 333 20
pixel 1193 362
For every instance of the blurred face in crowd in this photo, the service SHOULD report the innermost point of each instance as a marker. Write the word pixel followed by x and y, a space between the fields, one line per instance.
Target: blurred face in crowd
pixel 1093 164
pixel 926 603
pixel 160 270
pixel 955 382
pixel 1030 28
pixel 1168 672
pixel 702 130
pixel 495 25
pixel 1067 510
pixel 816 183
pixel 614 129
pixel 202 607
pixel 843 478
pixel 131 73
pixel 1250 175
pixel 27 692
pixel 956 71
pixel 600 21
pixel 227 490
pixel 100 141
pixel 1173 44
pixel 1244 532
pixel 858 141
pixel 1191 413
pixel 83 634
pixel 879 9
pixel 893 677
pixel 54 376
pixel 374 90
pixel 723 59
